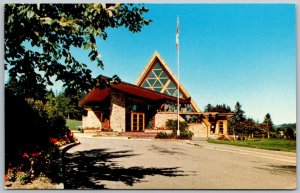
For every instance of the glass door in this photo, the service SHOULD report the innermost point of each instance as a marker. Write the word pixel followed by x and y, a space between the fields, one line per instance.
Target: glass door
pixel 137 121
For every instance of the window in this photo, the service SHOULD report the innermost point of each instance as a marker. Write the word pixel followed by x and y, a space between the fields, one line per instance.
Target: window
pixel 221 129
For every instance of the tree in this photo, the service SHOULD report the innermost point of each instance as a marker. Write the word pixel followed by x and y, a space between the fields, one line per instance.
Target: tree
pixel 28 88
pixel 38 39
pixel 68 103
pixel 267 124
pixel 218 108
pixel 208 108
pixel 237 119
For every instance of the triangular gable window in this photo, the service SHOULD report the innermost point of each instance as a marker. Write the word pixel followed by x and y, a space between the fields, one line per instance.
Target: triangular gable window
pixel 159 81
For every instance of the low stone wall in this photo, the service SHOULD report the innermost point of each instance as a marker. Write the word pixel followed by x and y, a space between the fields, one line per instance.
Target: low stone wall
pixel 199 129
pixel 162 117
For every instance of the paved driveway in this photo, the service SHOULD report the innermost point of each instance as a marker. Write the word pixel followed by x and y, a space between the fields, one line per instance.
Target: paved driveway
pixel 99 163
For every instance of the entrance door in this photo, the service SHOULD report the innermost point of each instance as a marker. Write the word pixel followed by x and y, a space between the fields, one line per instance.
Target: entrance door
pixel 137 121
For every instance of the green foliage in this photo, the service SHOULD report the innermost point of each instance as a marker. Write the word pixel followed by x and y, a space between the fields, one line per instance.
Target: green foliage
pixel 235 123
pixel 218 108
pixel 39 37
pixel 183 128
pixel 186 135
pixel 68 101
pixel 23 177
pixel 289 133
pixel 173 125
pixel 28 126
pixel 162 135
pixel 150 124
pixel 28 87
pixel 267 124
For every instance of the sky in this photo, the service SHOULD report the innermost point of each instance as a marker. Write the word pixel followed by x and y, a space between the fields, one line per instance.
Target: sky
pixel 228 53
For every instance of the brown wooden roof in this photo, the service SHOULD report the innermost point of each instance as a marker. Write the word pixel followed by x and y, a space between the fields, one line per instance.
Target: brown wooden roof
pixel 98 95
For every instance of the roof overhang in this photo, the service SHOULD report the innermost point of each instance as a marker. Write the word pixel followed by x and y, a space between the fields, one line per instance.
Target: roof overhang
pixel 99 95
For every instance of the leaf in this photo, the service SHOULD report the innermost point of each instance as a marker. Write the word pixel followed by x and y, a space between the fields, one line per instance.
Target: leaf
pixel 47 20
pixel 87 46
pixel 30 14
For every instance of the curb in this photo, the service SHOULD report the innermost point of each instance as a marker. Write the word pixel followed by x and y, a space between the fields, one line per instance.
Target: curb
pixel 62 150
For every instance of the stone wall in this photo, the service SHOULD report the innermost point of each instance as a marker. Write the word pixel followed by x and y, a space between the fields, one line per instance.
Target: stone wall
pixel 117 115
pixel 199 129
pixel 162 117
pixel 91 121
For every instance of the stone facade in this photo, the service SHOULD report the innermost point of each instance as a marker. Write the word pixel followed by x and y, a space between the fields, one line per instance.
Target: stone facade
pixel 117 115
pixel 91 121
pixel 162 117
pixel 199 129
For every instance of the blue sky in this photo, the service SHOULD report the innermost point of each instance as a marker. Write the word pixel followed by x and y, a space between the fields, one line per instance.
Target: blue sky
pixel 228 53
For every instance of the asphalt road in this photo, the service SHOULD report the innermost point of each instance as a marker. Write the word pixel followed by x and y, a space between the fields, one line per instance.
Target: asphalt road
pixel 99 163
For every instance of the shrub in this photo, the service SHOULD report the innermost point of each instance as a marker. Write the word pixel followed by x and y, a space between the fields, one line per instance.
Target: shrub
pixel 150 124
pixel 11 174
pixel 186 135
pixel 23 177
pixel 162 135
pixel 172 125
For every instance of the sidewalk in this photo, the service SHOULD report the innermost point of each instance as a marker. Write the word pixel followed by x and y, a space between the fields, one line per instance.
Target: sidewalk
pixel 289 157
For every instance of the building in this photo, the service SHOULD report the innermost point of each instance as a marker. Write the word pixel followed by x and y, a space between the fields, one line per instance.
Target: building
pixel 148 104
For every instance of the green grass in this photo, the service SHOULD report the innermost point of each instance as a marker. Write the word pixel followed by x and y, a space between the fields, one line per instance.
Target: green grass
pixel 270 144
pixel 71 123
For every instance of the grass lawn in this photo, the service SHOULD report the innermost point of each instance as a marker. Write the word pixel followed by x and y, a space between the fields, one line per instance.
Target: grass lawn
pixel 71 123
pixel 270 144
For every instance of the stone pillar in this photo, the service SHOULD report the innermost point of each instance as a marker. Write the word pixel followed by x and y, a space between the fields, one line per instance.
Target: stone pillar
pixel 91 121
pixel 225 127
pixel 117 115
pixel 217 128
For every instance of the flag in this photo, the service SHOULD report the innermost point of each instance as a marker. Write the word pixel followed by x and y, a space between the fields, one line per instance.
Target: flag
pixel 177 34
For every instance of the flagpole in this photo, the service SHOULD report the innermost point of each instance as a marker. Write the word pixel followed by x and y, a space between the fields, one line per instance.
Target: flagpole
pixel 177 48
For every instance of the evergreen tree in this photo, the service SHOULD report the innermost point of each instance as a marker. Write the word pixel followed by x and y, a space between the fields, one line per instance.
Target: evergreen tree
pixel 236 122
pixel 268 124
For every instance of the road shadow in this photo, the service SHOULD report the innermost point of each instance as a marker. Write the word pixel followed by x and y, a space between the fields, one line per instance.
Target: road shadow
pixel 279 169
pixel 88 169
pixel 162 150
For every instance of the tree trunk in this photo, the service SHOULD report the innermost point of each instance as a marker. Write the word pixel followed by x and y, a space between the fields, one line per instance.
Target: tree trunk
pixel 268 135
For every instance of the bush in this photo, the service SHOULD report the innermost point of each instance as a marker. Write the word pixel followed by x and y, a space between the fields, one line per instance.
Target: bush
pixel 186 135
pixel 172 125
pixel 31 130
pixel 23 177
pixel 162 135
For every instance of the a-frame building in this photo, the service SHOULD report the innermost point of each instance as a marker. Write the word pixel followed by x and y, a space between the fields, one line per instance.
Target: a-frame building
pixel 147 105
pixel 158 77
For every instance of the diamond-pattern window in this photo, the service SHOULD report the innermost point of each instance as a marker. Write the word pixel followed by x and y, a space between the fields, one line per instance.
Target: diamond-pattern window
pixel 157 89
pixel 145 84
pixel 151 81
pixel 164 75
pixel 171 91
pixel 157 84
pixel 172 85
pixel 157 66
pixel 157 72
pixel 158 79
pixel 163 81
pixel 151 75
